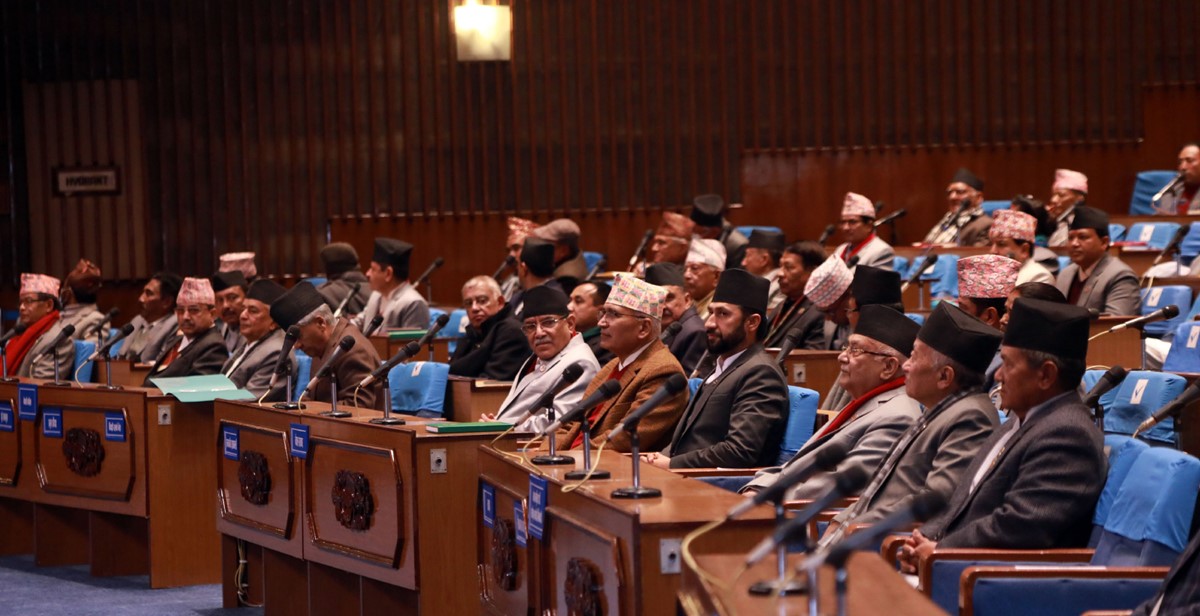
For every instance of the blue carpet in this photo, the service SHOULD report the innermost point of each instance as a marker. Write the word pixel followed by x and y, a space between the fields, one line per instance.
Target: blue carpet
pixel 51 591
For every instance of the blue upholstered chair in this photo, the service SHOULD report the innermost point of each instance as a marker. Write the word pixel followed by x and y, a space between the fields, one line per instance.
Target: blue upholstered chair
pixel 919 319
pixel 943 276
pixel 802 416
pixel 1189 248
pixel 303 373
pixel 1090 378
pixel 746 230
pixel 990 207
pixel 1116 232
pixel 419 388
pixel 315 281
pixel 83 350
pixel 592 258
pixel 1184 355
pixel 1155 298
pixel 1155 234
pixel 694 386
pixel 1148 183
pixel 455 329
pixel 900 264
pixel 1139 396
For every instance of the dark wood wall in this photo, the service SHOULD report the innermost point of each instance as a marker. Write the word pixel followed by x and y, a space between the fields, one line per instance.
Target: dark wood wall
pixel 264 119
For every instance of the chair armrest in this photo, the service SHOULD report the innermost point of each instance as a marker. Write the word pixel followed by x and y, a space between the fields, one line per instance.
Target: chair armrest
pixel 890 549
pixel 972 575
pixel 1062 555
pixel 715 472
pixel 857 526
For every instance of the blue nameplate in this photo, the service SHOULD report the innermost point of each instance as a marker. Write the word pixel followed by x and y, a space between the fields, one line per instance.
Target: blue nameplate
pixel 519 520
pixel 229 439
pixel 27 402
pixel 489 505
pixel 299 440
pixel 52 422
pixel 114 427
pixel 7 420
pixel 537 505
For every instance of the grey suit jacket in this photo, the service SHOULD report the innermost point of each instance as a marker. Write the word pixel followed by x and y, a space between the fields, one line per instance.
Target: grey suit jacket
pixel 934 459
pixel 526 390
pixel 85 318
pixel 868 436
pixel 44 368
pixel 1112 288
pixel 146 341
pixel 876 253
pixel 806 316
pixel 403 308
pixel 335 290
pixel 736 421
pixel 1040 492
pixel 254 371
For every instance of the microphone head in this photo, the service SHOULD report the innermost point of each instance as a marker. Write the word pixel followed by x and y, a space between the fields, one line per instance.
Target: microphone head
pixel 112 313
pixel 927 504
pixel 831 455
pixel 1170 311
pixel 69 330
pixel 127 329
pixel 1118 373
pixel 851 481
pixel 292 332
pixel 572 373
pixel 20 327
pixel 674 327
pixel 376 322
pixel 853 261
pixel 412 348
pixel 610 388
pixel 442 320
pixel 510 260
pixel 1093 314
pixel 675 384
pixel 346 343
pixel 438 262
pixel 931 258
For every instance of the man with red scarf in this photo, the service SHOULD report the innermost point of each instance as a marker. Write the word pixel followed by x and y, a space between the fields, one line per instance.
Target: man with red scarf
pixel 872 373
pixel 858 232
pixel 39 315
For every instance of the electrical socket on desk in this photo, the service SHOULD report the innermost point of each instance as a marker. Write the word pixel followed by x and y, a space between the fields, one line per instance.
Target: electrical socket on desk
pixel 437 461
pixel 164 414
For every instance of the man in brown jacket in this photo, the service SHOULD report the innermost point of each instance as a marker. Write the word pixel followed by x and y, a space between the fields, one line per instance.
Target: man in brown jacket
pixel 630 324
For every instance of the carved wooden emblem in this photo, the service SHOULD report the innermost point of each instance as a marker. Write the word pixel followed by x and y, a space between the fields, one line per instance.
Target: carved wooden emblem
pixel 352 501
pixel 254 477
pixel 84 451
pixel 504 554
pixel 582 589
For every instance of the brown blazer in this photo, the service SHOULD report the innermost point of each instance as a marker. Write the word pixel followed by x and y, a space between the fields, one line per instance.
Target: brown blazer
pixel 641 379
pixel 350 368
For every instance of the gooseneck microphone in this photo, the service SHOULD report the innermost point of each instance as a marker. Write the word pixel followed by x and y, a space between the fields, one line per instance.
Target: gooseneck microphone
pixel 104 349
pixel 829 229
pixel 926 264
pixel 373 325
pixel 846 484
pixel 1169 311
pixel 281 364
pixel 1188 396
pixel 1109 381
pixel 826 459
pixel 640 253
pixel 569 375
pixel 438 262
pixel 900 213
pixel 607 390
pixel 344 345
pixel 675 384
pixel 409 350
pixel 508 263
pixel 67 332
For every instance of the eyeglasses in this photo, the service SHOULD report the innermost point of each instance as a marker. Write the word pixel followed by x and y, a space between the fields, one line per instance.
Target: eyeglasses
pixel 546 323
pixel 612 315
pixel 855 351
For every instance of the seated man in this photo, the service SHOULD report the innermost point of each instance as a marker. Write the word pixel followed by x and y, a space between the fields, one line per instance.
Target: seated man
pixel 688 344
pixel 518 230
pixel 392 295
pixel 587 300
pixel 535 268
pixel 872 372
pixel 630 326
pixel 156 322
pixel 705 262
pixel 964 223
pixel 738 416
pixel 944 374
pixel 708 212
pixel 341 275
pixel 199 348
pixel 984 282
pixel 1013 235
pixel 1180 199
pixel 829 290
pixel 858 233
pixel 30 354
pixel 1096 279
pixel 251 367
pixel 79 302
pixel 871 286
pixel 570 268
pixel 494 346
pixel 763 252
pixel 1069 190
pixel 230 290
pixel 320 334
pixel 1179 593
pixel 671 240
pixel 550 329
pixel 1036 482
pixel 797 311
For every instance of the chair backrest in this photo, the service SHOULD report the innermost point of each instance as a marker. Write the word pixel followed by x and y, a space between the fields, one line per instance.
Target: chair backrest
pixel 1140 394
pixel 1122 451
pixel 1151 515
pixel 1189 248
pixel 900 264
pixel 990 207
pixel 1154 298
pixel 802 415
pixel 694 386
pixel 1090 378
pixel 919 319
pixel 592 258
pixel 1116 232
pixel 419 388
pixel 84 350
pixel 303 372
pixel 315 281
pixel 434 313
pixel 1155 234
pixel 943 274
pixel 746 230
pixel 115 349
pixel 1144 188
pixel 1184 355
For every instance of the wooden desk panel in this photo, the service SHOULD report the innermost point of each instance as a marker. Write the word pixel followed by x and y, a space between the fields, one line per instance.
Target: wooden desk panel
pixel 1123 348
pixel 17 480
pixel 470 398
pixel 125 372
pixel 816 370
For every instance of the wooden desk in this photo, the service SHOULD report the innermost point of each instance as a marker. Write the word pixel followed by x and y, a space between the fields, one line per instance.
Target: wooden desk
pixel 1123 348
pixel 816 370
pixel 872 588
pixel 626 549
pixel 389 343
pixel 471 398
pixel 126 373
pixel 409 550
pixel 132 505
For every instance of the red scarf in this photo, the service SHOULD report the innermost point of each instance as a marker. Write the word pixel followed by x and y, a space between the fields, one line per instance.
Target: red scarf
pixel 19 346
pixel 853 250
pixel 846 413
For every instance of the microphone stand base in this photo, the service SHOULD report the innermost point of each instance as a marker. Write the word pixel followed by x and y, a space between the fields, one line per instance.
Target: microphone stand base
pixel 335 414
pixel 10 379
pixel 58 384
pixel 387 421
pixel 797 586
pixel 110 387
pixel 580 474
pixel 555 460
pixel 636 492
pixel 289 406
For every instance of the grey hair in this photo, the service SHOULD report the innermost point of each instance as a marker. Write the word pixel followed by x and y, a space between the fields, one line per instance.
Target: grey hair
pixel 1070 370
pixel 320 312
pixel 964 377
pixel 486 282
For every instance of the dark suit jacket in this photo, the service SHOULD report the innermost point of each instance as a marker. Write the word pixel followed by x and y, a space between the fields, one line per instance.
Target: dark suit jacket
pixel 336 290
pixel 1180 591
pixel 736 421
pixel 494 351
pixel 807 317
pixel 689 344
pixel 641 379
pixel 1041 491
pixel 205 355
pixel 350 368
pixel 1112 288
pixel 254 372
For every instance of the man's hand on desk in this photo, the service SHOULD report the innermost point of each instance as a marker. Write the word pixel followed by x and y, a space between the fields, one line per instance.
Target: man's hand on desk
pixel 657 459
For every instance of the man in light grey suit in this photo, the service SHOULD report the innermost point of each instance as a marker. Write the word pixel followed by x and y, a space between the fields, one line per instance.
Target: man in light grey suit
pixel 1095 279
pixel 872 371
pixel 1035 482
pixel 251 367
pixel 945 374
pixel 858 231
pixel 550 329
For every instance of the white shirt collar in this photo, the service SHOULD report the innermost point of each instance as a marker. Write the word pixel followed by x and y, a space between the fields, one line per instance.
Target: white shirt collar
pixel 624 363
